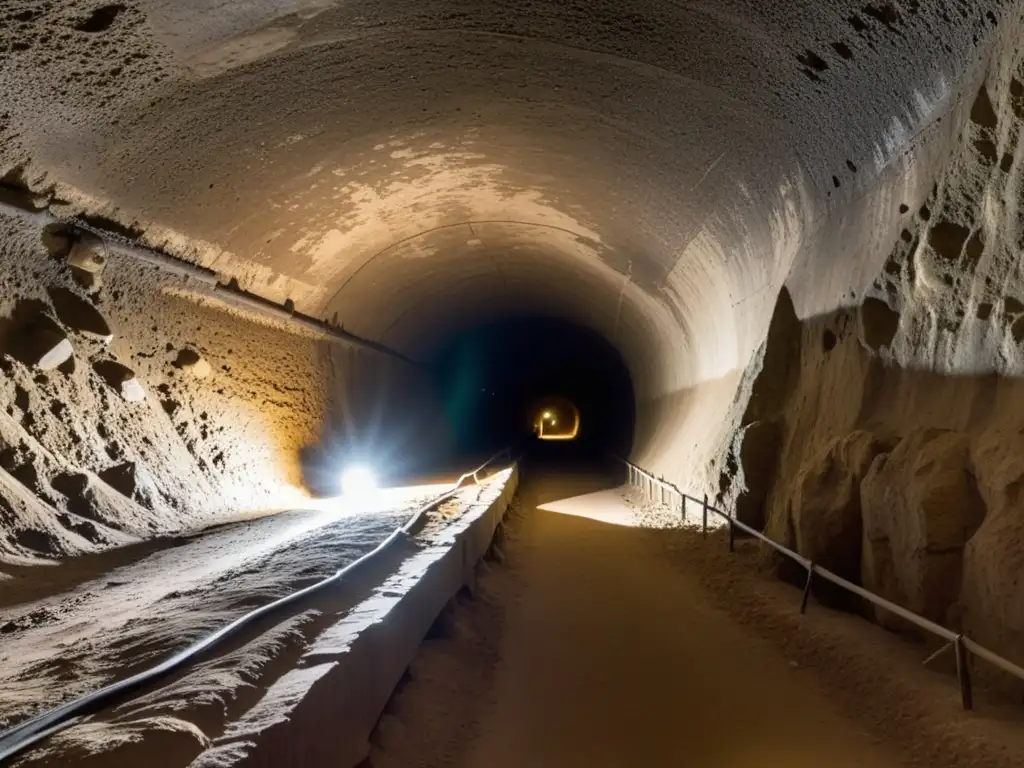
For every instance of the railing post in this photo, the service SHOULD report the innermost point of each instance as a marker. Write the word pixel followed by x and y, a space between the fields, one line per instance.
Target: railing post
pixel 682 508
pixel 963 673
pixel 732 534
pixel 704 525
pixel 807 588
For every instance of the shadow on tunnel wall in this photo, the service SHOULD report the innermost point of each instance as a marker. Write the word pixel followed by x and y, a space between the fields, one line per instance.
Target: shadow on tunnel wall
pixel 903 480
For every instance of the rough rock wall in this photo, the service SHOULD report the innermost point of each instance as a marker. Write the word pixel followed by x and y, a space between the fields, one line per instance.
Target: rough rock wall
pixel 895 457
pixel 169 413
pixel 920 506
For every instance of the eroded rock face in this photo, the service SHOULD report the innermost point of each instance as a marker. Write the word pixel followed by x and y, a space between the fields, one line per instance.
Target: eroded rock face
pixel 50 348
pixel 122 379
pixel 80 315
pixel 122 478
pixel 939 361
pixel 921 506
pixel 779 364
pixel 758 449
pixel 992 596
pixel 192 363
pixel 84 468
pixel 825 511
pixel 878 322
pixel 755 446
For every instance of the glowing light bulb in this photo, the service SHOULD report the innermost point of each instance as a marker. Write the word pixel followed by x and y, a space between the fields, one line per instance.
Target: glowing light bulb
pixel 358 481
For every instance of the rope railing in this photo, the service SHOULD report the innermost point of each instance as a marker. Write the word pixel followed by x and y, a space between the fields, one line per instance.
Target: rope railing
pixel 658 489
pixel 21 737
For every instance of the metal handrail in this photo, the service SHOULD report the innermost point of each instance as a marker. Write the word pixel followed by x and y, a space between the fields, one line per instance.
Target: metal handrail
pixel 17 739
pixel 962 645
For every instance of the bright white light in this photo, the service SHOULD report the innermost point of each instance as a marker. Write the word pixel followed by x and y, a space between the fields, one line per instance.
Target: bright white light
pixel 358 481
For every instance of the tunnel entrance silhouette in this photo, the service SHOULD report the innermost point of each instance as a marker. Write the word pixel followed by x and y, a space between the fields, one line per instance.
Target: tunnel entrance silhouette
pixel 496 379
pixel 556 419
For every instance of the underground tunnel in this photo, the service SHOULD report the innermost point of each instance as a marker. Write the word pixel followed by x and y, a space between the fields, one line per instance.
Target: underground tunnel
pixel 768 252
pixel 500 382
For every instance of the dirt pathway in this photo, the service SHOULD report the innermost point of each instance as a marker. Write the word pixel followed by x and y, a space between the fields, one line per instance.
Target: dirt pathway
pixel 604 655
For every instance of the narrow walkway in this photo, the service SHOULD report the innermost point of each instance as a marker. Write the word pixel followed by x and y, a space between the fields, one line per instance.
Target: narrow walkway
pixel 606 656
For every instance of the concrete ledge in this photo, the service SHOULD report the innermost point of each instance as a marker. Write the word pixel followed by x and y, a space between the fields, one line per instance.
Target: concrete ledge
pixel 322 712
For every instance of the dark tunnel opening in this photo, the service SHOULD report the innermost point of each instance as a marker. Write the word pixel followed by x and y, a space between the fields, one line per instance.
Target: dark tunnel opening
pixel 486 385
pixel 493 376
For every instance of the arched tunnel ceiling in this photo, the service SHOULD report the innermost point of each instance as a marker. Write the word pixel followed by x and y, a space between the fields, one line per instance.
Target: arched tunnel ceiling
pixel 642 167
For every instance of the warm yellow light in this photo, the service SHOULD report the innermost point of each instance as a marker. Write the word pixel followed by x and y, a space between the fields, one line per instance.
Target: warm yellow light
pixel 548 421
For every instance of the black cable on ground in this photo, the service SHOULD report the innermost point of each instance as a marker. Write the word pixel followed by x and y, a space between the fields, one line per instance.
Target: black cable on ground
pixel 16 740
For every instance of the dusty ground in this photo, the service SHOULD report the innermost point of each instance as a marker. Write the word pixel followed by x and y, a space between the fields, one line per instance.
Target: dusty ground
pixel 591 642
pixel 123 621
